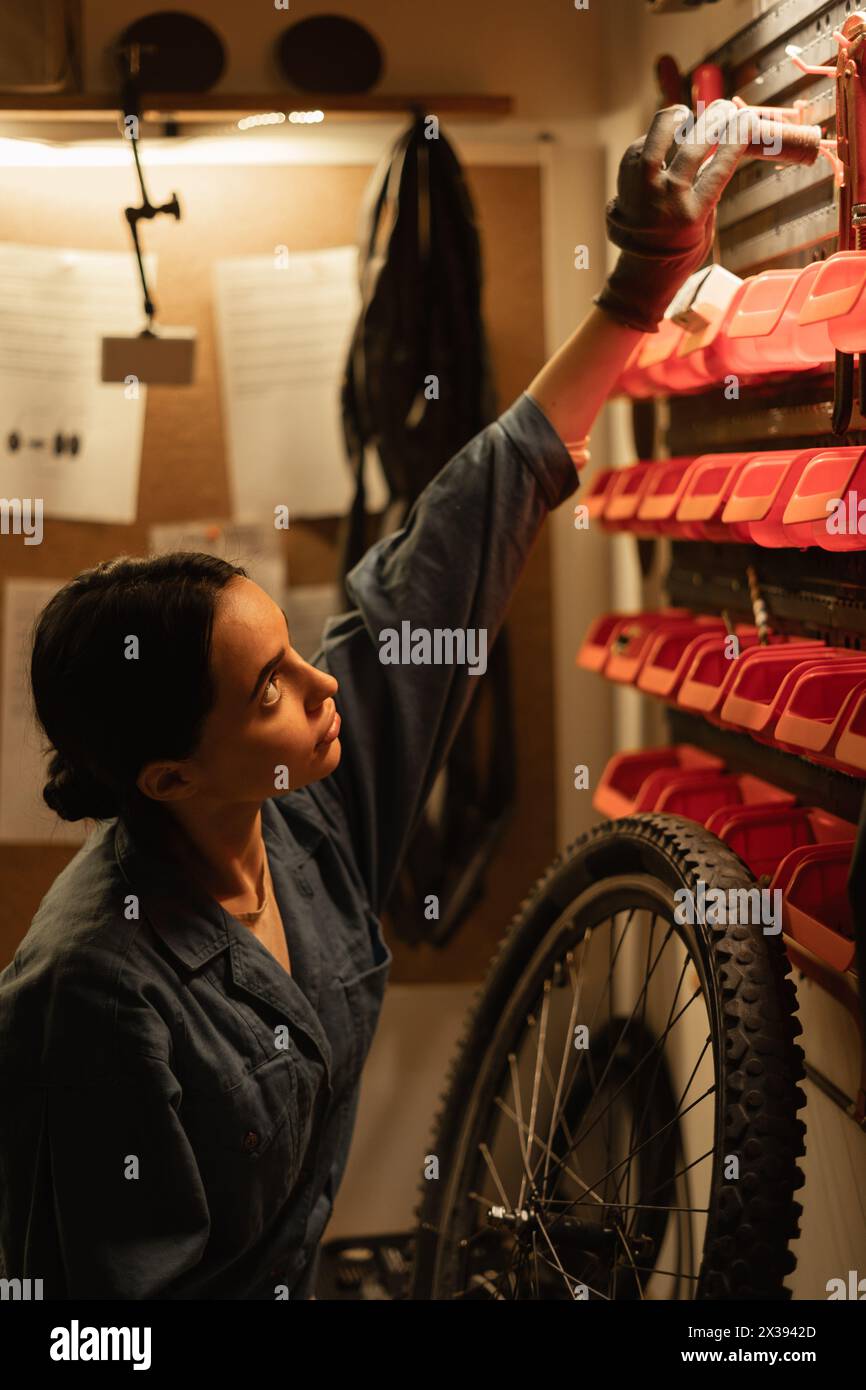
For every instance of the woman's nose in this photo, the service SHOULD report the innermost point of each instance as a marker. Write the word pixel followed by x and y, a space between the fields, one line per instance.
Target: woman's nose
pixel 324 686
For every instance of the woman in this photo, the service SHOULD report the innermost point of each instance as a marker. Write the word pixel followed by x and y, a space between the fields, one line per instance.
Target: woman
pixel 184 1025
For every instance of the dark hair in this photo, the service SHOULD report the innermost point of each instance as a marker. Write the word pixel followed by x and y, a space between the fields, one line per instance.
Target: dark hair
pixel 107 714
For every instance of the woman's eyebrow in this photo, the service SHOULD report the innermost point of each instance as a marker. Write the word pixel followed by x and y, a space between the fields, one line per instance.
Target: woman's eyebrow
pixel 269 665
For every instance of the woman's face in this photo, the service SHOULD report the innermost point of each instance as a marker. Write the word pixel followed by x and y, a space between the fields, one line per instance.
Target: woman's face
pixel 266 732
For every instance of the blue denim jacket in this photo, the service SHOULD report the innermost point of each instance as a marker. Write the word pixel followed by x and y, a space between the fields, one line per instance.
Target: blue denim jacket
pixel 175 1109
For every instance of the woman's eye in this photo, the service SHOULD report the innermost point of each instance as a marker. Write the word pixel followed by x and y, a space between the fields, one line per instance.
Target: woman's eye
pixel 272 684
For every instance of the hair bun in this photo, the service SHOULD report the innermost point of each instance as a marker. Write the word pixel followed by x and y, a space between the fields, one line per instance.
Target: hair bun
pixel 74 794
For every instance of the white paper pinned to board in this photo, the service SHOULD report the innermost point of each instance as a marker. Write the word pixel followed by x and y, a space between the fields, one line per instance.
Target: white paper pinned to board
pixel 65 436
pixel 24 817
pixel 253 546
pixel 284 325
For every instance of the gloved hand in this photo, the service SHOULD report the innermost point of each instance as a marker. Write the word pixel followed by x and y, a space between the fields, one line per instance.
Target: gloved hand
pixel 664 215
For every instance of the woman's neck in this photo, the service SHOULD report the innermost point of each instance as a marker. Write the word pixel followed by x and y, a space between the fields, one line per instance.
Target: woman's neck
pixel 221 848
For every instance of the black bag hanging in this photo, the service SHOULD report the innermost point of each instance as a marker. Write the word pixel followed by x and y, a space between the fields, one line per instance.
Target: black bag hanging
pixel 420 272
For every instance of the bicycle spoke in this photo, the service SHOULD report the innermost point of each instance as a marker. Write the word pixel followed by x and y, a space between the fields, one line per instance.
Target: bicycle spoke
pixel 631 1134
pixel 630 1019
pixel 659 1055
pixel 565 1276
pixel 621 1206
pixel 551 1265
pixel 680 1172
pixel 539 1048
pixel 565 1047
pixel 678 1274
pixel 515 1084
pixel 631 1262
pixel 590 1026
pixel 512 1116
pixel 651 1139
pixel 488 1159
pixel 636 1069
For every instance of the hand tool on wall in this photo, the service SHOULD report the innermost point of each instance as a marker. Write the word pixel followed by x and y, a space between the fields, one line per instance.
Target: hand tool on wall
pixel 167 357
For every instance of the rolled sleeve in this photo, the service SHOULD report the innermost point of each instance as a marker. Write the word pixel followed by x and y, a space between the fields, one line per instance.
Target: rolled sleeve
pixel 453 565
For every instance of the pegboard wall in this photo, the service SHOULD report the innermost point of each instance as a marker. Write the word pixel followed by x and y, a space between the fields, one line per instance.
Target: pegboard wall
pixel 242 211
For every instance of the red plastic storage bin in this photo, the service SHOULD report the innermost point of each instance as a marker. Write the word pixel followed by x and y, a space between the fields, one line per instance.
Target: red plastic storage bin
pixel 811 341
pixel 609 627
pixel 849 752
pixel 813 715
pixel 705 495
pixel 595 648
pixel 763 680
pixel 774 334
pixel 831 475
pixel 757 337
pixel 662 494
pixel 816 910
pixel 836 300
pixel 597 493
pixel 760 494
pixel 625 496
pixel 631 646
pixel 698 797
pixel 621 789
pixel 764 835
pixel 672 652
pixel 706 683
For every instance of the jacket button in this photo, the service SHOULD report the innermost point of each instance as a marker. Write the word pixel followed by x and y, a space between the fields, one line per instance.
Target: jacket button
pixel 251 1140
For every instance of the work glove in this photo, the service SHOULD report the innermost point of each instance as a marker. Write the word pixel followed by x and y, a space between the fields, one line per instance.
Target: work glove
pixel 664 214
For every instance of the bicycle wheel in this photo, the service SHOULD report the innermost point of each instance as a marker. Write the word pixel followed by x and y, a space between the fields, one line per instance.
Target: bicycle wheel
pixel 620 1119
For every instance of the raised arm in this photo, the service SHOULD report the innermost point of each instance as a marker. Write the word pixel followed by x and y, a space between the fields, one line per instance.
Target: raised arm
pixel 429 602
pixel 452 568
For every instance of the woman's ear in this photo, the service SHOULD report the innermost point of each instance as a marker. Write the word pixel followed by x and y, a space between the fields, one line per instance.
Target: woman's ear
pixel 165 782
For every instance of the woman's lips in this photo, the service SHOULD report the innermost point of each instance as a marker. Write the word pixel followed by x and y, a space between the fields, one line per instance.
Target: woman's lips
pixel 332 731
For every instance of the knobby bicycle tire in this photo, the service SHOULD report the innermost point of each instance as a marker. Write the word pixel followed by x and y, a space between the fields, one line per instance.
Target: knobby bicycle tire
pixel 752 1005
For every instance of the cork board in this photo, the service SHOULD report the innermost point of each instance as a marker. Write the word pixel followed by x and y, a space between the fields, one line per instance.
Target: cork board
pixel 239 211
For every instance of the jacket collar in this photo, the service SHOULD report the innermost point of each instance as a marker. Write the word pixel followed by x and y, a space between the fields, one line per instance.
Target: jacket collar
pixel 194 926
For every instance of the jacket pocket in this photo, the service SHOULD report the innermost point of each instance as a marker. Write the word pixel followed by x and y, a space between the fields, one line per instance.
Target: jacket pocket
pixel 251 1137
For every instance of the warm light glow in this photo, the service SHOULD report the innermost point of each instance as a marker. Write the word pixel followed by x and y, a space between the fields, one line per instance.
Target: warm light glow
pixel 343 144
pixel 267 118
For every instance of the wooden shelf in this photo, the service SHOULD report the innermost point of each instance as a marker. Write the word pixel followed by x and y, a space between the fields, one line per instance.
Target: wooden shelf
pixel 209 106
